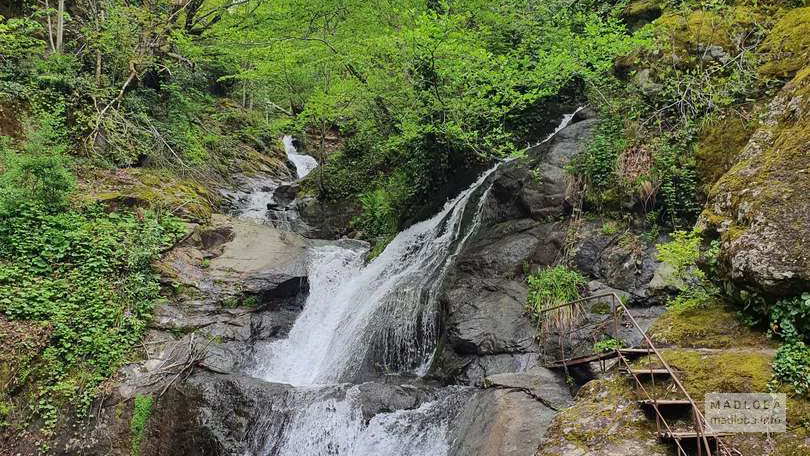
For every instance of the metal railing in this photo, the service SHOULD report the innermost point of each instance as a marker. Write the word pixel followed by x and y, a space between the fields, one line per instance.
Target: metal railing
pixel 618 314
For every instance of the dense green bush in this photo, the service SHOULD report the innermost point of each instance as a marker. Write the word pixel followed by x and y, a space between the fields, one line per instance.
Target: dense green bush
pixel 790 317
pixel 597 164
pixel 87 275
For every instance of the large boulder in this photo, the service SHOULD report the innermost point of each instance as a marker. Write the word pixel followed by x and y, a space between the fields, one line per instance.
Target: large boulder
pixel 760 207
pixel 621 258
pixel 487 318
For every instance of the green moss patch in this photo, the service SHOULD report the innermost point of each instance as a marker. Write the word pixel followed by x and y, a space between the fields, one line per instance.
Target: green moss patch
pixel 713 325
pixel 721 140
pixel 150 188
pixel 787 47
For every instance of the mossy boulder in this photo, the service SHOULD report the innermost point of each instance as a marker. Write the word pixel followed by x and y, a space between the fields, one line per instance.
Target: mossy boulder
pixel 143 187
pixel 760 207
pixel 604 420
pixel 786 50
pixel 713 325
pixel 689 36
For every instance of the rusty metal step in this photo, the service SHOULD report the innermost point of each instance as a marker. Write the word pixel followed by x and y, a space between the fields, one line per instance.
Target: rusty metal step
pixel 666 402
pixel 649 372
pixel 630 353
pixel 686 435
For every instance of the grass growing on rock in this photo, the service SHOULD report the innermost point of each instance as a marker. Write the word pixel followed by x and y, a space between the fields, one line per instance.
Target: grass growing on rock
pixel 141 411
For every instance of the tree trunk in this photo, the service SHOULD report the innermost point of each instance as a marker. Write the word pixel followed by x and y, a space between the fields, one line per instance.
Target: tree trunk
pixel 50 27
pixel 98 68
pixel 321 155
pixel 60 26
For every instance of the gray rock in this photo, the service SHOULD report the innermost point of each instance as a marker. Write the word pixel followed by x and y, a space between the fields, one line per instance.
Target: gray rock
pixel 503 422
pixel 325 220
pixel 487 317
pixel 624 260
pixel 540 383
pixel 484 366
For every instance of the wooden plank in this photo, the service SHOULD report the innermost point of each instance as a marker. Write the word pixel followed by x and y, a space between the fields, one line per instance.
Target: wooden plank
pixel 585 359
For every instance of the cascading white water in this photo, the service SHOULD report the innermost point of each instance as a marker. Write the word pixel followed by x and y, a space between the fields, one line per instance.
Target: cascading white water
pixel 385 313
pixel 310 423
pixel 304 164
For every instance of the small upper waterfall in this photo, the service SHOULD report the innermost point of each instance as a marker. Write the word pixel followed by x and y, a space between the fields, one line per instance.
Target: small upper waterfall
pixel 304 164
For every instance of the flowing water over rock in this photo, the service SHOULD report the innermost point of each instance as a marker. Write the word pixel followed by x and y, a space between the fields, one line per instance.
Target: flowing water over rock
pixel 320 422
pixel 258 203
pixel 385 314
pixel 304 164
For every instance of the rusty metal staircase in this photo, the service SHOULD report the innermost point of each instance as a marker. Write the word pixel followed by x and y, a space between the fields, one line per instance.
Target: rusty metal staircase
pixel 697 437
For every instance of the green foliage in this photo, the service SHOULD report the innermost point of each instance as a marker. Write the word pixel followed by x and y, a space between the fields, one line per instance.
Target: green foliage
pixel 609 228
pixel 598 162
pixel 378 218
pixel 141 411
pixel 674 170
pixel 791 366
pixel 552 287
pixel 87 274
pixel 38 172
pixel 682 253
pixel 430 93
pixel 790 318
pixel 607 345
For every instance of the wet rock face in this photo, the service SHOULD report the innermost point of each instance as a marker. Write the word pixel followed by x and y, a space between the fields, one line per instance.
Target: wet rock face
pixel 523 227
pixel 500 421
pixel 238 283
pixel 624 260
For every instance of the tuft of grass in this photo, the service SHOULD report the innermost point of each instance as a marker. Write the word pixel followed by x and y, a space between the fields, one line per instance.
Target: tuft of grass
pixel 552 287
pixel 141 412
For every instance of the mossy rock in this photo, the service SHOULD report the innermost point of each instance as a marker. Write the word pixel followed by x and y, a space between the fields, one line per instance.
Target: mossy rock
pixel 641 12
pixel 604 420
pixel 714 325
pixel 720 142
pixel 760 207
pixel 740 371
pixel 150 188
pixel 787 48
pixel 685 35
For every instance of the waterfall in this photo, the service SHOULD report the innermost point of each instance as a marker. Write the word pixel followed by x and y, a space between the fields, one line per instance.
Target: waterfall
pixel 304 164
pixel 362 321
pixel 384 314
